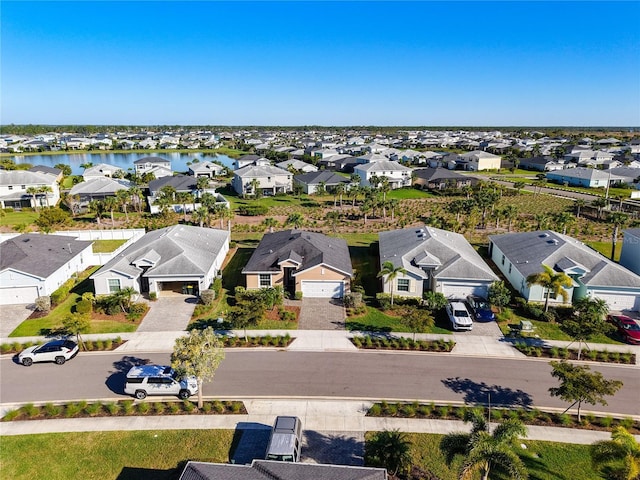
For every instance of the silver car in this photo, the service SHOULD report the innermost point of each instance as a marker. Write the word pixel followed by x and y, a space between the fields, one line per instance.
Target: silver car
pixel 58 351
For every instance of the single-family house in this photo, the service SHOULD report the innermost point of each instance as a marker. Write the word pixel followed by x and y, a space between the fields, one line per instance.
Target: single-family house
pixel 157 166
pixel 541 164
pixel 102 170
pixel 312 263
pixel 33 265
pixel 630 254
pixel 310 182
pixel 297 165
pixel 479 160
pixel 49 170
pixel 398 175
pixel 435 261
pixel 22 188
pixel 519 255
pixel 338 162
pixel 268 179
pixel 441 178
pixel 98 188
pixel 584 177
pixel 180 259
pixel 272 470
pixel 246 160
pixel 206 169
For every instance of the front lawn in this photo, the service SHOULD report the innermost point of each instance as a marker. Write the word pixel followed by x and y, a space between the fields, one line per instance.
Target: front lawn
pixel 376 321
pixel 25 216
pixel 408 193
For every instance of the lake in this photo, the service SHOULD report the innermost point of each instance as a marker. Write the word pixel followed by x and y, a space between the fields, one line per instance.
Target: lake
pixel 122 160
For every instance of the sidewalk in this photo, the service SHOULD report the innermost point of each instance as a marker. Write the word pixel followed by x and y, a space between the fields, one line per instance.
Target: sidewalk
pixel 342 415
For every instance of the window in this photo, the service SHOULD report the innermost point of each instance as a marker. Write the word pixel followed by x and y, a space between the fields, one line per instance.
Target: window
pixel 403 284
pixel 114 285
pixel 10 187
pixel 503 259
pixel 265 280
pixel 23 187
pixel 510 265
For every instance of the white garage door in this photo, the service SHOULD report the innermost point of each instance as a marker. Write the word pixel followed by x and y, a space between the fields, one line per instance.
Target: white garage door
pixel 619 302
pixel 460 290
pixel 322 289
pixel 17 295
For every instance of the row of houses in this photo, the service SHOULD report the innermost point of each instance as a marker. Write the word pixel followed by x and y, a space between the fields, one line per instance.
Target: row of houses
pixel 185 259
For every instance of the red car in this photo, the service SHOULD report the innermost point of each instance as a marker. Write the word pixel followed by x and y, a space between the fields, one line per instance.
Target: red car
pixel 627 327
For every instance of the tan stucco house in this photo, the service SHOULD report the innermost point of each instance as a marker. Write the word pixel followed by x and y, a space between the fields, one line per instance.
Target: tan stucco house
pixel 300 261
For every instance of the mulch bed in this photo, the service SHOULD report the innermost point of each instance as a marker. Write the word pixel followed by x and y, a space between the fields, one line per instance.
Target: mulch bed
pixel 274 315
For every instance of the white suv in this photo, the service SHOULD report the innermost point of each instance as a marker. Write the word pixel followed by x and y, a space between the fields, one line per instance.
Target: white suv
pixel 459 316
pixel 58 351
pixel 158 380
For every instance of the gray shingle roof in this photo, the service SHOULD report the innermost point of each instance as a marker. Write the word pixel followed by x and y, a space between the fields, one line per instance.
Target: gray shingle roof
pixel 527 251
pixel 100 185
pixel 25 177
pixel 411 247
pixel 158 160
pixel 182 183
pixel 38 254
pixel 259 171
pixel 176 250
pixel 270 470
pixel 312 248
pixel 314 178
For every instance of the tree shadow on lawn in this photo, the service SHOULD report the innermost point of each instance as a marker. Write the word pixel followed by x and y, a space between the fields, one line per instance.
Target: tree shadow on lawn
pixel 478 393
pixel 366 328
pixel 115 382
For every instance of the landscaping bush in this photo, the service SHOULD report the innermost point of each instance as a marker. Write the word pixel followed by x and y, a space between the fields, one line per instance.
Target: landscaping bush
pixel 143 408
pixel 43 304
pixel 84 306
pixel 51 410
pixel 93 409
pixel 112 408
pixel 384 300
pixel 72 409
pixel 217 286
pixel 298 296
pixel 353 300
pixel 253 210
pixel 62 292
pixel 207 296
pixel 136 310
pixel 153 296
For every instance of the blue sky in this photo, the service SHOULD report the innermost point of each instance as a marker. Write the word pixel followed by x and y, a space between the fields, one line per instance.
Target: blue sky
pixel 326 63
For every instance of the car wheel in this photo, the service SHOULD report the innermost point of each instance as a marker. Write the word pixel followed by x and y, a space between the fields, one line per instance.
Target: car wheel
pixel 184 394
pixel 60 360
pixel 27 362
pixel 140 394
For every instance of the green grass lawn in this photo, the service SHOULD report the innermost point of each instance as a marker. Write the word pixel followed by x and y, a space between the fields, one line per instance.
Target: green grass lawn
pixel 161 455
pixel 376 321
pixel 107 246
pixel 18 217
pixel 544 460
pixel 139 455
pixel 605 248
pixel 408 193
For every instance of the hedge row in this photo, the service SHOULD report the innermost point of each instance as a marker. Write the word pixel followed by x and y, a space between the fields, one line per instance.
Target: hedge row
pixel 572 354
pixel 402 343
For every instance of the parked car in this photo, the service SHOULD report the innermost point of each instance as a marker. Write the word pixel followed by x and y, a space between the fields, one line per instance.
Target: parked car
pixel 58 351
pixel 286 440
pixel 628 328
pixel 459 316
pixel 480 309
pixel 158 380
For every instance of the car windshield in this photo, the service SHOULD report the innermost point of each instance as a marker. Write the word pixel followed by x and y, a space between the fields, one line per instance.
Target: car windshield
pixel 482 306
pixel 631 326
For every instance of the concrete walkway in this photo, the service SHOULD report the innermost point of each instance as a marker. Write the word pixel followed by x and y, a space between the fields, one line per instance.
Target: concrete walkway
pixel 343 416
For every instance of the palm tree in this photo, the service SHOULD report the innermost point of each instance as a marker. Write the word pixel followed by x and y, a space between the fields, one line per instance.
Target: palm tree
pixel 202 183
pixel 564 219
pixel 333 218
pixel 579 203
pixel 33 191
pixel 510 213
pixel 354 191
pixel 618 458
pixel 124 198
pixel 599 203
pixel 389 272
pixel 366 208
pixel 45 191
pixel 339 190
pixel 201 215
pixel 183 198
pixel 220 211
pixel 255 187
pixel 111 203
pixel 270 223
pixel 136 197
pixel 389 449
pixel 542 219
pixel 484 450
pixel 97 207
pixel 552 282
pixel 619 220
pixel 295 219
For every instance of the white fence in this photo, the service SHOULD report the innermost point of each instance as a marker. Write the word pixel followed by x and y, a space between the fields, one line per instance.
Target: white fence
pixel 130 234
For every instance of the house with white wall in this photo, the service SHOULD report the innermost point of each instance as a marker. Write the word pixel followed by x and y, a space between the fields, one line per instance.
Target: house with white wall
pixel 398 175
pixel 15 185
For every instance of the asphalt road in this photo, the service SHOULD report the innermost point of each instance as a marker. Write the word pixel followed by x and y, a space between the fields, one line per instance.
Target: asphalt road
pixel 372 375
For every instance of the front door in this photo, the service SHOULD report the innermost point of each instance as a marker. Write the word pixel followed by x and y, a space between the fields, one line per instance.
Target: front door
pixel 289 281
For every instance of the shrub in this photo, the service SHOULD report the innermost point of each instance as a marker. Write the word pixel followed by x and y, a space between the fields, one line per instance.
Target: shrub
pixel 188 406
pixel 30 410
pixel 207 296
pixel 443 411
pixel 72 410
pixel 298 296
pixel 174 408
pixel 143 408
pixel 233 244
pixel 425 410
pixel 627 357
pixel 565 419
pixel 127 407
pixel 43 304
pixel 112 408
pixel 605 421
pixel 5 348
pixel 99 345
pixel 253 210
pixel 88 345
pixel 384 300
pixel 51 410
pixel 136 310
pixel 159 408
pixel 11 415
pixel 554 352
pixel 218 406
pixel 549 316
pixel 206 407
pixel 153 296
pixel 217 286
pixel 84 306
pixel 603 356
pixel 592 354
pixel 108 344
pixel 496 414
pixel 565 353
pixel 409 410
pixel 93 408
pixel 236 407
pixel 62 292
pixel 375 410
pixel 614 356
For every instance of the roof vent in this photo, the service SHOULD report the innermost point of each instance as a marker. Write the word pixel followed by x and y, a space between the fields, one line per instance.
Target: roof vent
pixel 544 235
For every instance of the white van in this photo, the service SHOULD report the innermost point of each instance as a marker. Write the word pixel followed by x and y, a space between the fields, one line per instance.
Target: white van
pixel 158 380
pixel 286 438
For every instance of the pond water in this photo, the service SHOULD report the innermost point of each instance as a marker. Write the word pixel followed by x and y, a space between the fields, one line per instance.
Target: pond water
pixel 122 160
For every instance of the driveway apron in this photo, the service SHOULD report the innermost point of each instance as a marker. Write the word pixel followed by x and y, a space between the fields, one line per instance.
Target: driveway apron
pixel 321 314
pixel 168 314
pixel 13 315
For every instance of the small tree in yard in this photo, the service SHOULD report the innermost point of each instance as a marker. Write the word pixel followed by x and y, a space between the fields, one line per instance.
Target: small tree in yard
pixel 75 324
pixel 198 354
pixel 618 458
pixel 499 295
pixel 588 319
pixel 551 282
pixel 434 300
pixel 389 449
pixel 248 310
pixel 416 319
pixel 578 384
pixel 389 272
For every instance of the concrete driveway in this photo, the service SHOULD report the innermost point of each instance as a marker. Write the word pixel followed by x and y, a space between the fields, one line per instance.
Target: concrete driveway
pixel 13 315
pixel 321 314
pixel 169 314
